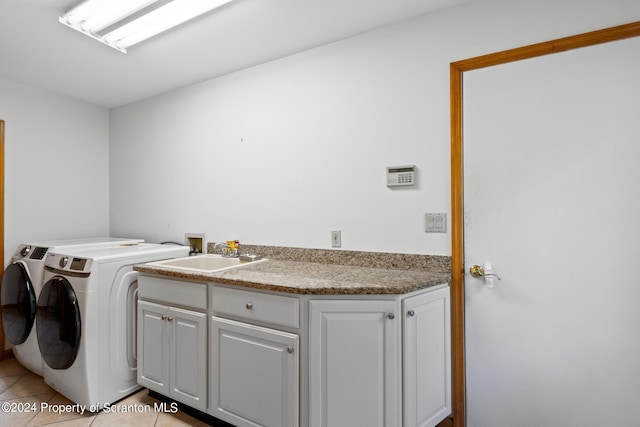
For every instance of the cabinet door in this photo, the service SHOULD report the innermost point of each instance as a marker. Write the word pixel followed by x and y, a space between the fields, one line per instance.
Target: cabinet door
pixel 427 358
pixel 188 373
pixel 153 347
pixel 354 364
pixel 254 375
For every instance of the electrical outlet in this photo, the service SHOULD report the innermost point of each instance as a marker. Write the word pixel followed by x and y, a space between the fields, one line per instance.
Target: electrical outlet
pixel 336 239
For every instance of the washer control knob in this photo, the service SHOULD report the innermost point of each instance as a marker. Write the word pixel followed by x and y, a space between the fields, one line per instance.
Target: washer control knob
pixel 64 261
pixel 25 251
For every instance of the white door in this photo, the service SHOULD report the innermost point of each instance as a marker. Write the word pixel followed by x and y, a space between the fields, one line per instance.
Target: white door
pixel 188 361
pixel 254 374
pixel 552 201
pixel 153 347
pixel 426 353
pixel 354 363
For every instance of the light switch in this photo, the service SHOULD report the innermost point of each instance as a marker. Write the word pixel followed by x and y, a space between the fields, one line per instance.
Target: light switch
pixel 435 222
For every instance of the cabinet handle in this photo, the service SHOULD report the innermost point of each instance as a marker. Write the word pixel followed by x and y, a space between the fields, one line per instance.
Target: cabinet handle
pixel 163 317
pixel 411 313
pixel 249 306
pixel 289 350
pixel 391 316
pixel 169 318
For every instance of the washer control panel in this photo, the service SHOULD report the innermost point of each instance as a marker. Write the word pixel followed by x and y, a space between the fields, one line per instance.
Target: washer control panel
pixel 78 264
pixel 68 263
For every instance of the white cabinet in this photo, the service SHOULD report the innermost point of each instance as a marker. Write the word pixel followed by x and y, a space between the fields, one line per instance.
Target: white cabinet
pixel 273 359
pixel 372 364
pixel 354 363
pixel 172 353
pixel 254 374
pixel 427 358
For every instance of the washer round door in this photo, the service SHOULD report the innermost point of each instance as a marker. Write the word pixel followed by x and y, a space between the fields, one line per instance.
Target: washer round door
pixel 58 323
pixel 18 303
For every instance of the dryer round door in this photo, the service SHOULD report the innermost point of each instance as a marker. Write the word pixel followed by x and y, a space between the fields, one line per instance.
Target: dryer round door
pixel 18 303
pixel 58 323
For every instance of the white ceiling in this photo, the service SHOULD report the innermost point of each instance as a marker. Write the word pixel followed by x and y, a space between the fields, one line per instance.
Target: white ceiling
pixel 37 50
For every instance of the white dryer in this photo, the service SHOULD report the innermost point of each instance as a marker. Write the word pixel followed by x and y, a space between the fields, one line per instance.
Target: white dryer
pixel 21 284
pixel 86 321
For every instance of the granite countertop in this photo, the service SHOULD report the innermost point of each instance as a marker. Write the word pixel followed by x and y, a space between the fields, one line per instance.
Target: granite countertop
pixel 303 276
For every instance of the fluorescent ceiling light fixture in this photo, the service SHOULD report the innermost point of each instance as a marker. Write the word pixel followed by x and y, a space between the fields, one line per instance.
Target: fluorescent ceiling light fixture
pixel 123 23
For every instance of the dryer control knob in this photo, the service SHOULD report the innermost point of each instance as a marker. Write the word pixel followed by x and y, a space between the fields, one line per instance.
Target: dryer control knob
pixel 25 251
pixel 63 261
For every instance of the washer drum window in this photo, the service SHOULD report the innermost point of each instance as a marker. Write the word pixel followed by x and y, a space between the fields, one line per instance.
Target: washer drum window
pixel 58 323
pixel 18 303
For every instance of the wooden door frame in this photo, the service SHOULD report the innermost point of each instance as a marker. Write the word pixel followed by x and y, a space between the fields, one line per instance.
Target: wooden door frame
pixel 457 171
pixel 3 354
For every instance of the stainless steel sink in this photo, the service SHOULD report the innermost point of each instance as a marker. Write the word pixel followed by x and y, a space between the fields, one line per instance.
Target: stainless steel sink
pixel 207 263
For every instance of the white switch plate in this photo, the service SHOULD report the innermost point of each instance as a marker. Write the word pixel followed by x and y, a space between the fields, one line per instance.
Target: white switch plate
pixel 336 238
pixel 435 222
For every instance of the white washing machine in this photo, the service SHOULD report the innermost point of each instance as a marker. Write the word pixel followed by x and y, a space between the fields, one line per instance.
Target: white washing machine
pixel 86 321
pixel 21 284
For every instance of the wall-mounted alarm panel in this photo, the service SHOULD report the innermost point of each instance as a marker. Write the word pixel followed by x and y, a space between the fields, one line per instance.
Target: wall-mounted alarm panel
pixel 398 176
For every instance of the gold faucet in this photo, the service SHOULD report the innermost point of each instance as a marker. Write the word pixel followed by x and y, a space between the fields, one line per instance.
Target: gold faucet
pixel 229 248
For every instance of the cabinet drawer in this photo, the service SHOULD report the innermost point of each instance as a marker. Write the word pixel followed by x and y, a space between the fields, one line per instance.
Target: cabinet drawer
pixel 174 292
pixel 257 306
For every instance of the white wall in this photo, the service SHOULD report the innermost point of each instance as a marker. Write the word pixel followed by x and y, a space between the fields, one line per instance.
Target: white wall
pixel 56 166
pixel 284 152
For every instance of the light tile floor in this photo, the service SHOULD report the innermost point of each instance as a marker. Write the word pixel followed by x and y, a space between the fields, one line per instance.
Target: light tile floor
pixel 25 400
